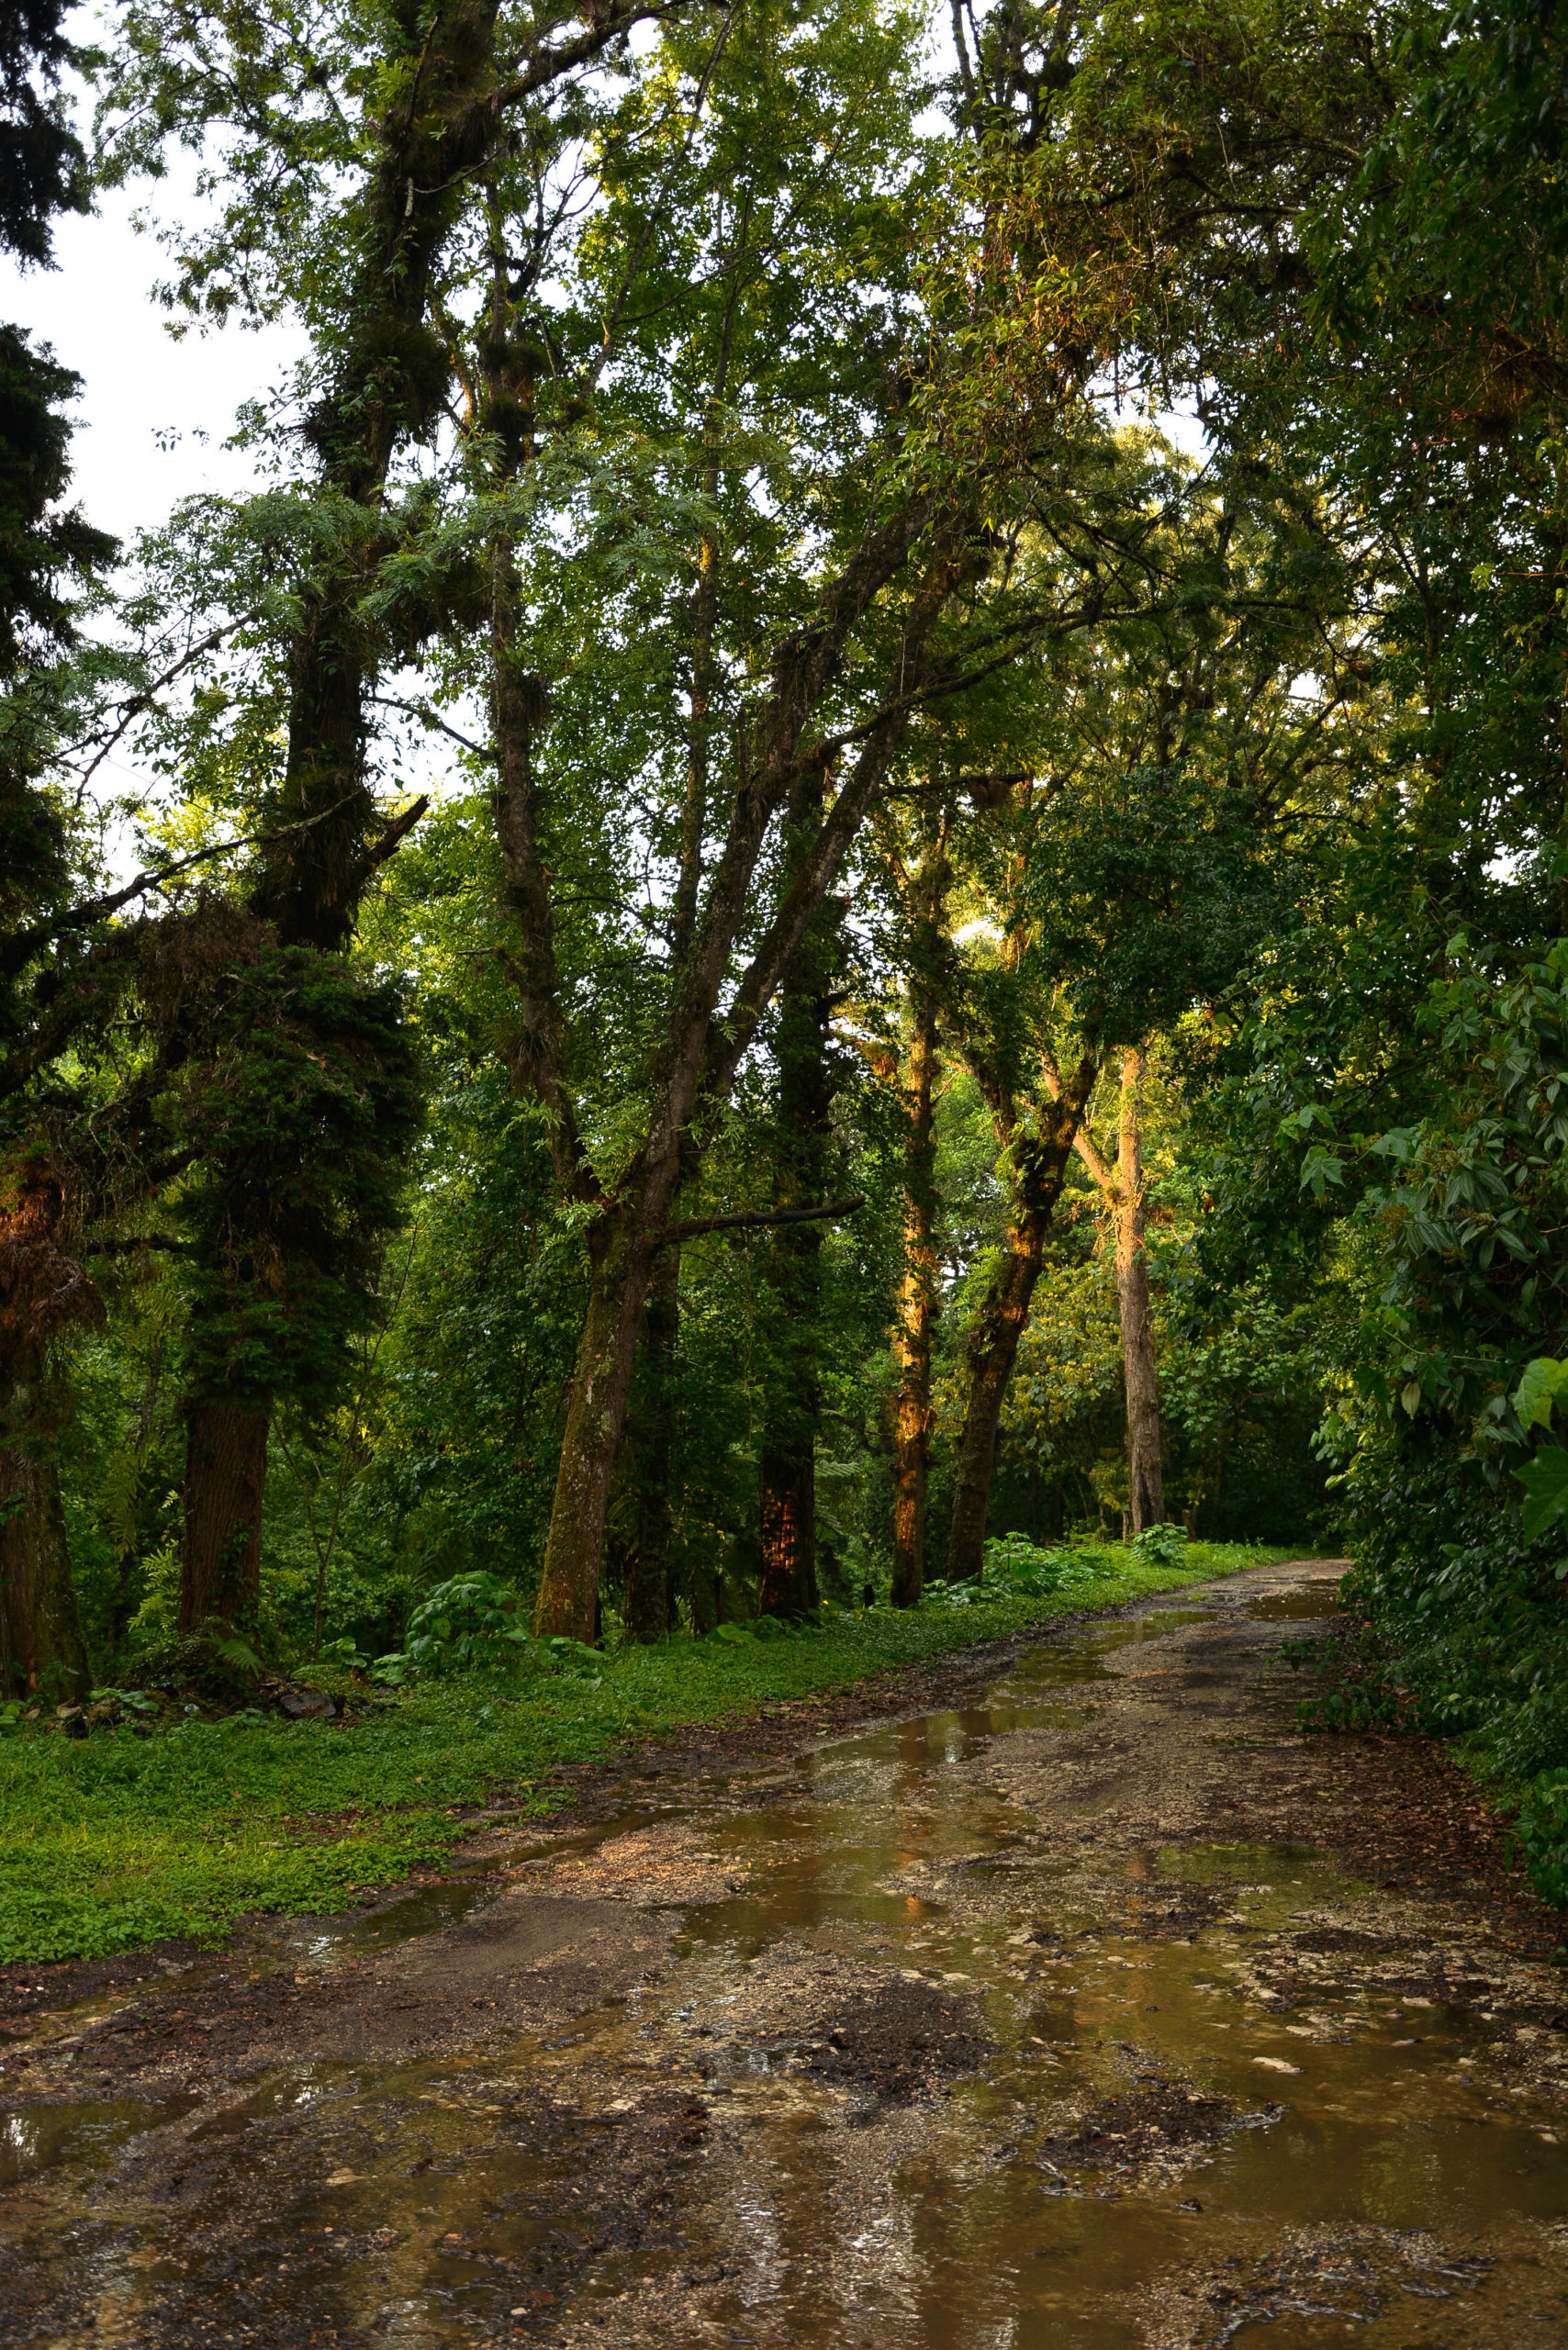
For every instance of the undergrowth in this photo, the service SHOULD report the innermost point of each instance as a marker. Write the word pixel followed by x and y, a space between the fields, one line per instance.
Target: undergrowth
pixel 136 1834
pixel 1460 1631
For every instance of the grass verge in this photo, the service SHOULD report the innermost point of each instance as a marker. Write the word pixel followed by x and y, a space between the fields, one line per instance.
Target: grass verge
pixel 109 1842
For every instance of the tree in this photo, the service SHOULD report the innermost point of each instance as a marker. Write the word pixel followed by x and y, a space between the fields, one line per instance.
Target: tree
pixel 295 1114
pixel 817 623
pixel 349 163
pixel 1133 874
pixel 47 558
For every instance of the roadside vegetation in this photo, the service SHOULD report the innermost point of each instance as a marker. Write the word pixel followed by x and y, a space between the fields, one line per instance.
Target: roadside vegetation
pixel 164 1822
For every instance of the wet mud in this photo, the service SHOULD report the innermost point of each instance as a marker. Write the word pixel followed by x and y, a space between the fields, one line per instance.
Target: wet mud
pixel 1086 2003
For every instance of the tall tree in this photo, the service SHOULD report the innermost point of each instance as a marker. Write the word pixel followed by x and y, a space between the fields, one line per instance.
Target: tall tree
pixel 350 159
pixel 840 591
pixel 1134 873
pixel 46 552
pixel 802 1166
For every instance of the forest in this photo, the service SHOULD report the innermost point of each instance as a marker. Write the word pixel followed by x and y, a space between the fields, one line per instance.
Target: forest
pixel 851 882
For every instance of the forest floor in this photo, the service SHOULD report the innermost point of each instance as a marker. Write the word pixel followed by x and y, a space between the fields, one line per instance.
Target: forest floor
pixel 1074 1999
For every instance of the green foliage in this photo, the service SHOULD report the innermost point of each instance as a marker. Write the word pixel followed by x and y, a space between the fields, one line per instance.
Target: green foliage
pixel 1543 1381
pixel 299 1114
pixel 1254 762
pixel 42 549
pixel 1013 1563
pixel 468 1624
pixel 1541 1834
pixel 1162 1545
pixel 1545 1479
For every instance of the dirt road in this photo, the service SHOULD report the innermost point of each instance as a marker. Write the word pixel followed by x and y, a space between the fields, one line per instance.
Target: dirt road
pixel 1096 2007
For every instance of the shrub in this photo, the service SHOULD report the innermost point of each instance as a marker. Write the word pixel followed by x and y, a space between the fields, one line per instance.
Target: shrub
pixel 1160 1546
pixel 466 1624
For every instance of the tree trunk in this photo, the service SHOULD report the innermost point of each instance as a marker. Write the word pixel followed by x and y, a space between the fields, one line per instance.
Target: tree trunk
pixel 917 1294
pixel 647 1605
pixel 990 1355
pixel 793 1402
pixel 1039 1162
pixel 225 1475
pixel 43 1291
pixel 622 1261
pixel 1140 1369
pixel 788 1530
pixel 41 1651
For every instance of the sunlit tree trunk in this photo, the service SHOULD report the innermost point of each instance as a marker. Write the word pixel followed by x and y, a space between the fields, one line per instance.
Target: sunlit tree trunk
pixel 1039 1161
pixel 917 1314
pixel 1122 1192
pixel 917 1291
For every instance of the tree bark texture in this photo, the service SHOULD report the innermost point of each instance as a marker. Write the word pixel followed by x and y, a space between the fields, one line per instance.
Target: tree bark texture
pixel 42 1649
pixel 622 1261
pixel 225 1475
pixel 1039 1161
pixel 43 1291
pixel 917 1294
pixel 793 1405
pixel 648 1594
pixel 1140 1368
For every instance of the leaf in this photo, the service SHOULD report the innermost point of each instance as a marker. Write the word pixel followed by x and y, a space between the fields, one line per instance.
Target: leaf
pixel 1545 1479
pixel 1541 1382
pixel 234 1651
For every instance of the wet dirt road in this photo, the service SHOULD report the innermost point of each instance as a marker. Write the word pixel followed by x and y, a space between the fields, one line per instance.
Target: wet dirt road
pixel 1045 2020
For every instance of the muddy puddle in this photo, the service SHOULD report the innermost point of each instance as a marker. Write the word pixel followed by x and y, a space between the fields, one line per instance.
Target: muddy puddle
pixel 1018 2024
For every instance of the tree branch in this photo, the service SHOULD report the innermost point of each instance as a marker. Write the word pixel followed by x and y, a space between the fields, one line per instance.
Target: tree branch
pixel 428 718
pixel 15 952
pixel 1083 1141
pixel 730 1036
pixel 752 1219
pixel 392 839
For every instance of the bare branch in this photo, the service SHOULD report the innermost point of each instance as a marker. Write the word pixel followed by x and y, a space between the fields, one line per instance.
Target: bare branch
pixel 427 717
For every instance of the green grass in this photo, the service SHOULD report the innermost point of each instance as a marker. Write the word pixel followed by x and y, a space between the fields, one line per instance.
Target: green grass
pixel 110 1843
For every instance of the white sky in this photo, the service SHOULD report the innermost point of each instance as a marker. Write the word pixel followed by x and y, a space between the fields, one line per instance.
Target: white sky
pixel 96 310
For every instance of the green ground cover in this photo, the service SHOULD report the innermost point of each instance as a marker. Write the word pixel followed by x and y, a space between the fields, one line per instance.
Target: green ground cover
pixel 118 1839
